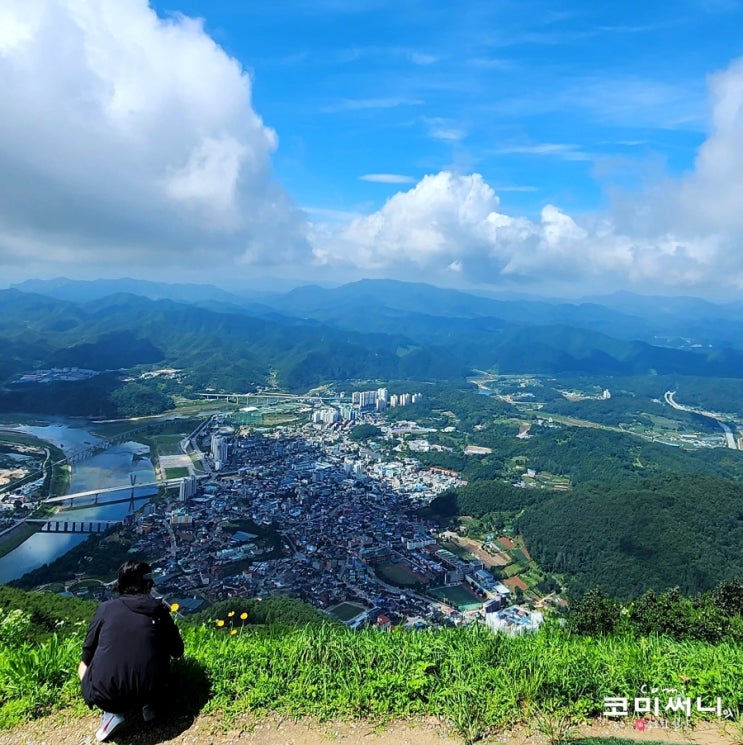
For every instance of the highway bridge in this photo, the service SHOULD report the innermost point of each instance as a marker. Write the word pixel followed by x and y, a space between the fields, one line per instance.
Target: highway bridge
pixel 96 493
pixel 268 397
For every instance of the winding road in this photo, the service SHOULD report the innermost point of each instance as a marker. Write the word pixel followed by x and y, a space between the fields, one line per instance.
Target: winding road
pixel 729 435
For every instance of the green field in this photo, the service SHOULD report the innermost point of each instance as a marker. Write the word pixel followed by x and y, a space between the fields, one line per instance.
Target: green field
pixel 177 473
pixel 456 595
pixel 168 444
pixel 459 551
pixel 397 574
pixel 346 611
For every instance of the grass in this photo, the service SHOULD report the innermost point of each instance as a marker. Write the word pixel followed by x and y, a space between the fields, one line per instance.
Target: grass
pixel 168 444
pixel 176 473
pixel 16 537
pixel 396 573
pixel 477 681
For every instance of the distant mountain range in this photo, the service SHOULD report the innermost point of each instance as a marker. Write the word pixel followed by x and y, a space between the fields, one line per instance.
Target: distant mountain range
pixel 367 330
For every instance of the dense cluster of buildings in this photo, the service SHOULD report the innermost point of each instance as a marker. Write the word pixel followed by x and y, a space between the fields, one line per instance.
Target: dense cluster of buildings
pixel 363 401
pixel 313 515
pixel 57 374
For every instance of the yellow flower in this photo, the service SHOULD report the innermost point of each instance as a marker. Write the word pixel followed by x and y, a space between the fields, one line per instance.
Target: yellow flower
pixel 174 607
pixel 233 632
pixel 243 615
pixel 220 622
pixel 230 614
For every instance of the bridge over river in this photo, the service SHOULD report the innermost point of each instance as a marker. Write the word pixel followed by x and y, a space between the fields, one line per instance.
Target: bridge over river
pixel 69 499
pixel 59 524
pixel 73 526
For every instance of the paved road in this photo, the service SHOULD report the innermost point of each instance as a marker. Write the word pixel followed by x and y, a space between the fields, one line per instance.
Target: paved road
pixel 729 436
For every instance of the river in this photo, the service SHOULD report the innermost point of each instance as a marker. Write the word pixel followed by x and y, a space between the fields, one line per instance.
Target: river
pixel 110 468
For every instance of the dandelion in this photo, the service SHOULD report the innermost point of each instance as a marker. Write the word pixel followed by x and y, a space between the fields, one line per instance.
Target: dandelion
pixel 174 607
pixel 233 632
pixel 220 623
pixel 243 616
pixel 230 614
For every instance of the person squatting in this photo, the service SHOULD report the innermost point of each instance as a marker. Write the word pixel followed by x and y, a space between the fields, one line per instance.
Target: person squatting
pixel 126 654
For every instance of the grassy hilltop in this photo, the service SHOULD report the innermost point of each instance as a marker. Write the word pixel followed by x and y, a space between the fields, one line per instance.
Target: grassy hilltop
pixel 476 681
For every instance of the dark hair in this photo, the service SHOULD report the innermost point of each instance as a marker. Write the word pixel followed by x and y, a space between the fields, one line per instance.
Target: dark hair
pixel 135 578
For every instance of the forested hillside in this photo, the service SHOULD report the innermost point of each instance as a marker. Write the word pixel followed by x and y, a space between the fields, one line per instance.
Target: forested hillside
pixel 631 514
pixel 627 537
pixel 362 331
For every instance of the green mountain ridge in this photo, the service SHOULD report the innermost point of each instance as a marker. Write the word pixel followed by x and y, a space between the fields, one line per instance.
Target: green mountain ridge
pixel 368 330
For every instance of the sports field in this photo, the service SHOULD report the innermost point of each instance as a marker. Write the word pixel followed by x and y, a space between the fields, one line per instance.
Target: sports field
pixel 347 611
pixel 457 595
pixel 399 575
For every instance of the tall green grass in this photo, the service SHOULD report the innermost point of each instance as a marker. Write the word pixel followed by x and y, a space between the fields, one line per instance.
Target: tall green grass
pixel 334 672
pixel 473 679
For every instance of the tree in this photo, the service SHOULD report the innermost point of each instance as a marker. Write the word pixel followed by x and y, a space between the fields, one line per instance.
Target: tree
pixel 728 597
pixel 596 614
pixel 364 432
pixel 135 399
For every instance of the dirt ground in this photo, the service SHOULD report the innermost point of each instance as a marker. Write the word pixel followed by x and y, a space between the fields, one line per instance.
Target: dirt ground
pixel 212 730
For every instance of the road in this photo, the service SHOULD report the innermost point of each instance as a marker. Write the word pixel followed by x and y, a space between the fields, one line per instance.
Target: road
pixel 729 436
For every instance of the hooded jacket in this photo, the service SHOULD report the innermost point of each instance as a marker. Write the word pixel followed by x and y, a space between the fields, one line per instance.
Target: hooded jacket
pixel 127 649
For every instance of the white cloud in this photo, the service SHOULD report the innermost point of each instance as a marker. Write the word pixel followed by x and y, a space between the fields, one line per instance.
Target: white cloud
pixel 685 233
pixel 712 193
pixel 387 178
pixel 126 137
pixel 565 151
pixel 361 104
pixel 444 129
pixel 445 221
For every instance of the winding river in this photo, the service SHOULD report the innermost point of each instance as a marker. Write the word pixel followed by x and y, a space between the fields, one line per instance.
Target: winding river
pixel 107 469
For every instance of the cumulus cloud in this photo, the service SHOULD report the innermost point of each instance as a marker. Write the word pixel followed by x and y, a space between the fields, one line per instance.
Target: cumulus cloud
pixel 712 192
pixel 129 137
pixel 446 221
pixel 685 233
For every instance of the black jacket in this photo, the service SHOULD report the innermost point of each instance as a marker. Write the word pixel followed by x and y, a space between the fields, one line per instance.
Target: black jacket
pixel 127 649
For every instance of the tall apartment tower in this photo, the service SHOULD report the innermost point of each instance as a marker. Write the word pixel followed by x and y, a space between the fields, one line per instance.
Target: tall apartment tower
pixel 219 451
pixel 187 488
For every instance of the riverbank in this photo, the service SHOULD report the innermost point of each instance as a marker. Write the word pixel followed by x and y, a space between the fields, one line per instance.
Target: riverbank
pixel 13 537
pixel 55 469
pixel 56 484
pixel 27 549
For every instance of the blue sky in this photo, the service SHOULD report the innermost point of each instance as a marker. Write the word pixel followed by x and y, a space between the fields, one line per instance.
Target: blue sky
pixel 549 105
pixel 544 147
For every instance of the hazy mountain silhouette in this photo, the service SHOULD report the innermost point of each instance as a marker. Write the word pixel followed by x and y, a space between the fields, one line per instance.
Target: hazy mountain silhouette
pixel 372 329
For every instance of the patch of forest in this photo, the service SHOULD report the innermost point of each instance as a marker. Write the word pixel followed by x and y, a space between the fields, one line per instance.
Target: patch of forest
pixel 102 396
pixel 638 516
pixel 629 537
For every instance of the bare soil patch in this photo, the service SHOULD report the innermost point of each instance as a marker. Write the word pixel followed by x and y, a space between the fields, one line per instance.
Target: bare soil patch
pixel 247 730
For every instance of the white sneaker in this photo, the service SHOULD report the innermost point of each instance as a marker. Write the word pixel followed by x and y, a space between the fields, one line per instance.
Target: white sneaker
pixel 109 724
